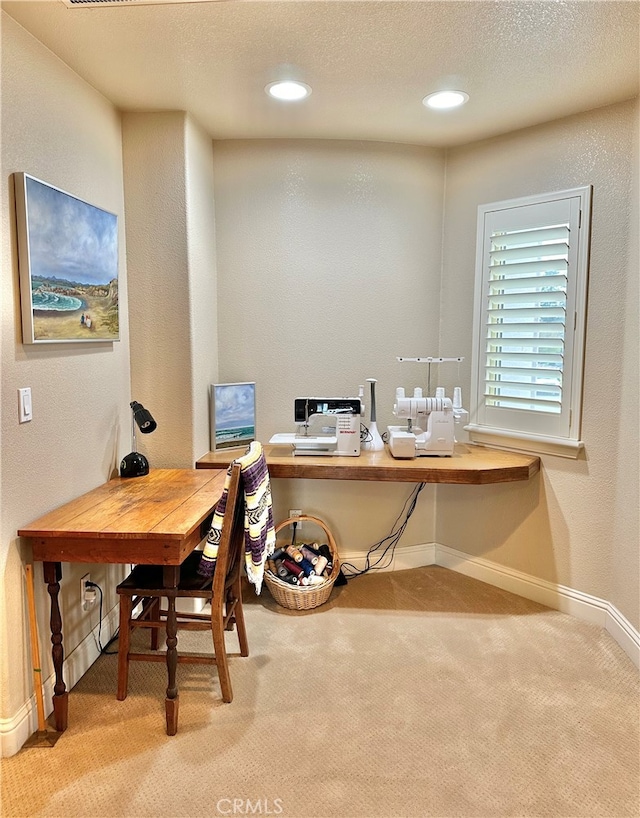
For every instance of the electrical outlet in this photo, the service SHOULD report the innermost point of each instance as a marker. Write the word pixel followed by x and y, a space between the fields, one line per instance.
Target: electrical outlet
pixel 86 578
pixel 296 512
pixel 87 595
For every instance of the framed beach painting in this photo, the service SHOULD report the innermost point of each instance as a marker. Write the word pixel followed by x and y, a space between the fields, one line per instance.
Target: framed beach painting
pixel 233 415
pixel 68 256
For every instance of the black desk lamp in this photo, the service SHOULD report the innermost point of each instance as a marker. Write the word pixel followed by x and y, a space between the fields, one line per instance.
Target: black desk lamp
pixel 135 464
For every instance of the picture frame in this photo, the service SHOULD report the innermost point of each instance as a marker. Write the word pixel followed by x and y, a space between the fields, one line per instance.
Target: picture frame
pixel 68 260
pixel 233 415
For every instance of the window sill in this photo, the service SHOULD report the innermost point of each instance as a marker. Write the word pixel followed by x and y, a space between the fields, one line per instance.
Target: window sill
pixel 522 442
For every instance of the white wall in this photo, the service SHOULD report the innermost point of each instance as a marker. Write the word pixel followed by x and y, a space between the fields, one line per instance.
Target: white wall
pixel 328 268
pixel 57 128
pixel 577 525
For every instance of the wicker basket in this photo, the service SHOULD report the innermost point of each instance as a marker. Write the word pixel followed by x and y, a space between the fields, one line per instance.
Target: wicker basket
pixel 304 597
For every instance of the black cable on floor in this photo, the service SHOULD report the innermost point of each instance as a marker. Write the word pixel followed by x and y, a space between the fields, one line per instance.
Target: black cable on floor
pixel 380 555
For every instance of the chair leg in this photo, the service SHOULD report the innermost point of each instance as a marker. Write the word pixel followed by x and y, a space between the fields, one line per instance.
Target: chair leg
pixel 239 617
pixel 124 641
pixel 154 613
pixel 230 619
pixel 217 629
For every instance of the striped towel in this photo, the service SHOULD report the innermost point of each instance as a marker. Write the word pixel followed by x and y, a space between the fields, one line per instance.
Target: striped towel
pixel 259 531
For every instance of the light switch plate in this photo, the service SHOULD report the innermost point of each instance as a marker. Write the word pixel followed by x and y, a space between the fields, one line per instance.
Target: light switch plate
pixel 25 408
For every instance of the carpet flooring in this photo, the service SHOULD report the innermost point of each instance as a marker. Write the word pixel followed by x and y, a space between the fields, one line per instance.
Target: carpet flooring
pixel 409 694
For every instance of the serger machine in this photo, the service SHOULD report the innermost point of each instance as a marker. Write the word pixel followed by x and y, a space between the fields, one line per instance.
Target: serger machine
pixel 429 429
pixel 326 426
pixel 432 423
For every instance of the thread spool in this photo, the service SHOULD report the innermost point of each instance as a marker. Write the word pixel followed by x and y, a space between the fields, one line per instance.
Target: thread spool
pixel 308 554
pixel 294 552
pixel 314 579
pixel 271 565
pixel 307 567
pixel 278 554
pixel 291 579
pixel 313 547
pixel 320 565
pixel 281 571
pixel 324 550
pixel 293 567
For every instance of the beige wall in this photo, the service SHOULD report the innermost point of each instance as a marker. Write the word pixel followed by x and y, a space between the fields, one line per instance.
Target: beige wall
pixel 328 268
pixel 57 128
pixel 203 279
pixel 578 524
pixel 168 168
pixel 158 265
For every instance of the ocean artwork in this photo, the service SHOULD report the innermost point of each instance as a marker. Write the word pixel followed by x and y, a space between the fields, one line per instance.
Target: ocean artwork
pixel 233 415
pixel 240 433
pixel 68 252
pixel 47 300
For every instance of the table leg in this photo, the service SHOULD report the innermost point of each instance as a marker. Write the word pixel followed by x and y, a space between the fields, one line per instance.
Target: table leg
pixel 52 576
pixel 171 574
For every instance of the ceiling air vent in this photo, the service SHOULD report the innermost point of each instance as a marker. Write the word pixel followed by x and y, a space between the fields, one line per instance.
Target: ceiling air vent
pixel 75 4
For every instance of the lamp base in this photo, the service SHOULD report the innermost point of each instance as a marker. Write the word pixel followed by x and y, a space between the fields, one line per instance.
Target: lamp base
pixel 134 465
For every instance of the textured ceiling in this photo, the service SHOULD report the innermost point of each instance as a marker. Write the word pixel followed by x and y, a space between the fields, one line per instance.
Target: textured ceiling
pixel 369 63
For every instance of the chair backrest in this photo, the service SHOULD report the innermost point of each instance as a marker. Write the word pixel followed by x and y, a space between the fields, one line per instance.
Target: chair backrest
pixel 231 546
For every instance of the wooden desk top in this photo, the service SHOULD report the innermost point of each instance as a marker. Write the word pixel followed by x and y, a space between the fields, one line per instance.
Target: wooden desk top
pixel 471 465
pixel 154 519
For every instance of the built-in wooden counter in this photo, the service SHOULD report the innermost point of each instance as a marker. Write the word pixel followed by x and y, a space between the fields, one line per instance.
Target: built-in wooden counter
pixel 470 465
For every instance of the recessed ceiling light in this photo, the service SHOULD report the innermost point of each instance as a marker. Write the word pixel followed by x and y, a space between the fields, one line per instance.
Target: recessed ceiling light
pixel 288 90
pixel 445 99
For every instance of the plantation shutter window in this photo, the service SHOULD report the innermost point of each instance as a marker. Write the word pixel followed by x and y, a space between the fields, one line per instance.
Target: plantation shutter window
pixel 529 322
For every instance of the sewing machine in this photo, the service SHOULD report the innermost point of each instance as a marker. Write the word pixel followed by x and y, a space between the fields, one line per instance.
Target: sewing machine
pixel 328 426
pixel 434 436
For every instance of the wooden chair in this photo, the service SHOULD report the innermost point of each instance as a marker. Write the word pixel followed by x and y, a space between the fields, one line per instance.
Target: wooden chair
pixel 143 591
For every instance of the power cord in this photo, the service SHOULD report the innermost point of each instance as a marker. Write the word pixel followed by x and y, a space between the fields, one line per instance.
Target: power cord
pixel 386 546
pixel 365 434
pixel 367 437
pixel 115 635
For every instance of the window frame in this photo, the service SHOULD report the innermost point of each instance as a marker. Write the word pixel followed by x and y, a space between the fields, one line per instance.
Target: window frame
pixel 535 433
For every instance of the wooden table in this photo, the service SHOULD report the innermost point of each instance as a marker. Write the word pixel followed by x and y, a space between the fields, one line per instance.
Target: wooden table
pixel 471 465
pixel 156 519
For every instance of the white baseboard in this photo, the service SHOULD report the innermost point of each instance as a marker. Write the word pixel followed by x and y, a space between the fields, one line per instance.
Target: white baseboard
pixel 583 606
pixel 624 633
pixel 15 731
pixel 189 604
pixel 412 556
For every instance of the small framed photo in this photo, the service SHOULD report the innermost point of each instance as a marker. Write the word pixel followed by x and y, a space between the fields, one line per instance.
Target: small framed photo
pixel 233 415
pixel 68 258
